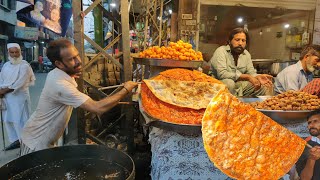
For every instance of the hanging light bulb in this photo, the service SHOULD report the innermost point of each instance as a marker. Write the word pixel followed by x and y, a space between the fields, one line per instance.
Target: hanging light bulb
pixel 286 26
pixel 240 20
pixel 113 4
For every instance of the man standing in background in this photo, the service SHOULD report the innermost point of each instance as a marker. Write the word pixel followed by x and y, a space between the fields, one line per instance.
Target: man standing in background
pixel 15 78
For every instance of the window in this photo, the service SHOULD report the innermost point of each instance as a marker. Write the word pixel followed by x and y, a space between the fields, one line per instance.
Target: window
pixel 5 3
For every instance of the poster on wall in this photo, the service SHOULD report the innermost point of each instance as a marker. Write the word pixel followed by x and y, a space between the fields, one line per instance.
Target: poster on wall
pixel 52 14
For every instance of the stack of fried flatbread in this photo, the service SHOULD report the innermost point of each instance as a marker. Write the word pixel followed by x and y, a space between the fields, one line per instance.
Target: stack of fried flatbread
pixel 189 94
pixel 244 143
pixel 179 95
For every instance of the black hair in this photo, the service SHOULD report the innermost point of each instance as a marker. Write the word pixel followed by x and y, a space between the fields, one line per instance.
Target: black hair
pixel 54 49
pixel 310 49
pixel 313 113
pixel 236 31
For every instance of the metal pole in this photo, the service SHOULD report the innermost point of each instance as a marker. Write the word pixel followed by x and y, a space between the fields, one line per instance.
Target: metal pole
pixel 127 67
pixel 79 42
pixel 4 143
pixel 160 29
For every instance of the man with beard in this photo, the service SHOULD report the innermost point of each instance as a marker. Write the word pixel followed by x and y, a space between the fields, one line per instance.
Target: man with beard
pixel 15 78
pixel 232 65
pixel 308 166
pixel 59 96
pixel 297 76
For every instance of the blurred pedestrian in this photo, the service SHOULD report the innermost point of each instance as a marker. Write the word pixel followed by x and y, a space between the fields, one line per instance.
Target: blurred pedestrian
pixel 40 61
pixel 15 78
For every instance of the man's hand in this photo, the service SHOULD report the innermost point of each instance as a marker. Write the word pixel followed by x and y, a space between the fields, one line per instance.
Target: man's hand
pixel 5 91
pixel 265 80
pixel 82 14
pixel 77 75
pixel 314 153
pixel 256 83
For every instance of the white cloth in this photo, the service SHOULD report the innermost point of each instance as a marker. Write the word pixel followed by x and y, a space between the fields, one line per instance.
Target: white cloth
pixel 315 139
pixel 11 45
pixel 18 77
pixel 47 124
pixel 13 131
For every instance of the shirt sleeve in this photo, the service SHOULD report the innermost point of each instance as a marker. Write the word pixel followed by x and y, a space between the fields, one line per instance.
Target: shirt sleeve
pixel 250 69
pixel 290 82
pixel 219 63
pixel 70 95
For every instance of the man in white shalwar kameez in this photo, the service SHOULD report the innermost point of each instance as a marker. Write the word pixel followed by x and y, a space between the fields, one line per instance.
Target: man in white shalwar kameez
pixel 15 78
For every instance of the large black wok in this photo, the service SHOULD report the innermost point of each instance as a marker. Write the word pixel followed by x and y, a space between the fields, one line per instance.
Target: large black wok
pixel 71 162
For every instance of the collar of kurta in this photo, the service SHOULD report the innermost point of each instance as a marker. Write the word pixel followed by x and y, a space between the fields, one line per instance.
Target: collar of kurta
pixel 299 65
pixel 66 76
pixel 228 49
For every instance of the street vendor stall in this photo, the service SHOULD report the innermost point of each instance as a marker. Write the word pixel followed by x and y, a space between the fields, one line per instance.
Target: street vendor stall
pixel 170 106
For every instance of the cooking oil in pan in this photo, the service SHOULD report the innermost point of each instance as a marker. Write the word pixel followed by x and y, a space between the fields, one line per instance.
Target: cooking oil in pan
pixel 76 169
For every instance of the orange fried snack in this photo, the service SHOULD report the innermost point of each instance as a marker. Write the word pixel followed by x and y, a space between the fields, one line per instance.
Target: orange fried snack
pixel 244 143
pixel 171 113
pixel 176 51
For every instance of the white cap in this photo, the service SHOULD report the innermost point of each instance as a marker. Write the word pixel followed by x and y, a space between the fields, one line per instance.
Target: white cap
pixel 11 45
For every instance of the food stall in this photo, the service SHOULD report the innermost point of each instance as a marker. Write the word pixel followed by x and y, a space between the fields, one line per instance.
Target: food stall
pixel 177 146
pixel 176 130
pixel 176 139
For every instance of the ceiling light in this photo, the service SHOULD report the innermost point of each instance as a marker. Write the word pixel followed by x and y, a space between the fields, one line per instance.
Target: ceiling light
pixel 113 4
pixel 286 26
pixel 240 20
pixel 170 11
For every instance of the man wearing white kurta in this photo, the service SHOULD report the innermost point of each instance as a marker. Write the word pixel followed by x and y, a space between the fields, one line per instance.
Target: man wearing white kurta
pixel 15 78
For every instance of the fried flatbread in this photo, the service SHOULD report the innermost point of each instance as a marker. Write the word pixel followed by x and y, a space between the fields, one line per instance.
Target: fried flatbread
pixel 189 94
pixel 244 143
pixel 168 112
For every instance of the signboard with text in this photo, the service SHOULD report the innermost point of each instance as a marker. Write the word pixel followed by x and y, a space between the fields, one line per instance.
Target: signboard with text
pixel 28 33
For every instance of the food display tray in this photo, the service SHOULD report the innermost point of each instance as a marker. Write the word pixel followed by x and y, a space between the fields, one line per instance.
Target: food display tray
pixel 280 116
pixel 286 117
pixel 168 62
pixel 184 129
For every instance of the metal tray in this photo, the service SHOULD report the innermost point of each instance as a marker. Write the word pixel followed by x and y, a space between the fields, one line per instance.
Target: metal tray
pixel 168 62
pixel 286 117
pixel 184 129
pixel 280 116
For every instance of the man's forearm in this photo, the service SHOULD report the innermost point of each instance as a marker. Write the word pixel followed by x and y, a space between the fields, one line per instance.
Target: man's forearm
pixel 307 172
pixel 111 101
pixel 5 91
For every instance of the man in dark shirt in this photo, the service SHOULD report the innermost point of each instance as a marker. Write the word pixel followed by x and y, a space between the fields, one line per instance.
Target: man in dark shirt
pixel 308 166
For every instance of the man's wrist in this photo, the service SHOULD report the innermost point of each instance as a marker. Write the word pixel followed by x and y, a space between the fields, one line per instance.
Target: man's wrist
pixel 126 89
